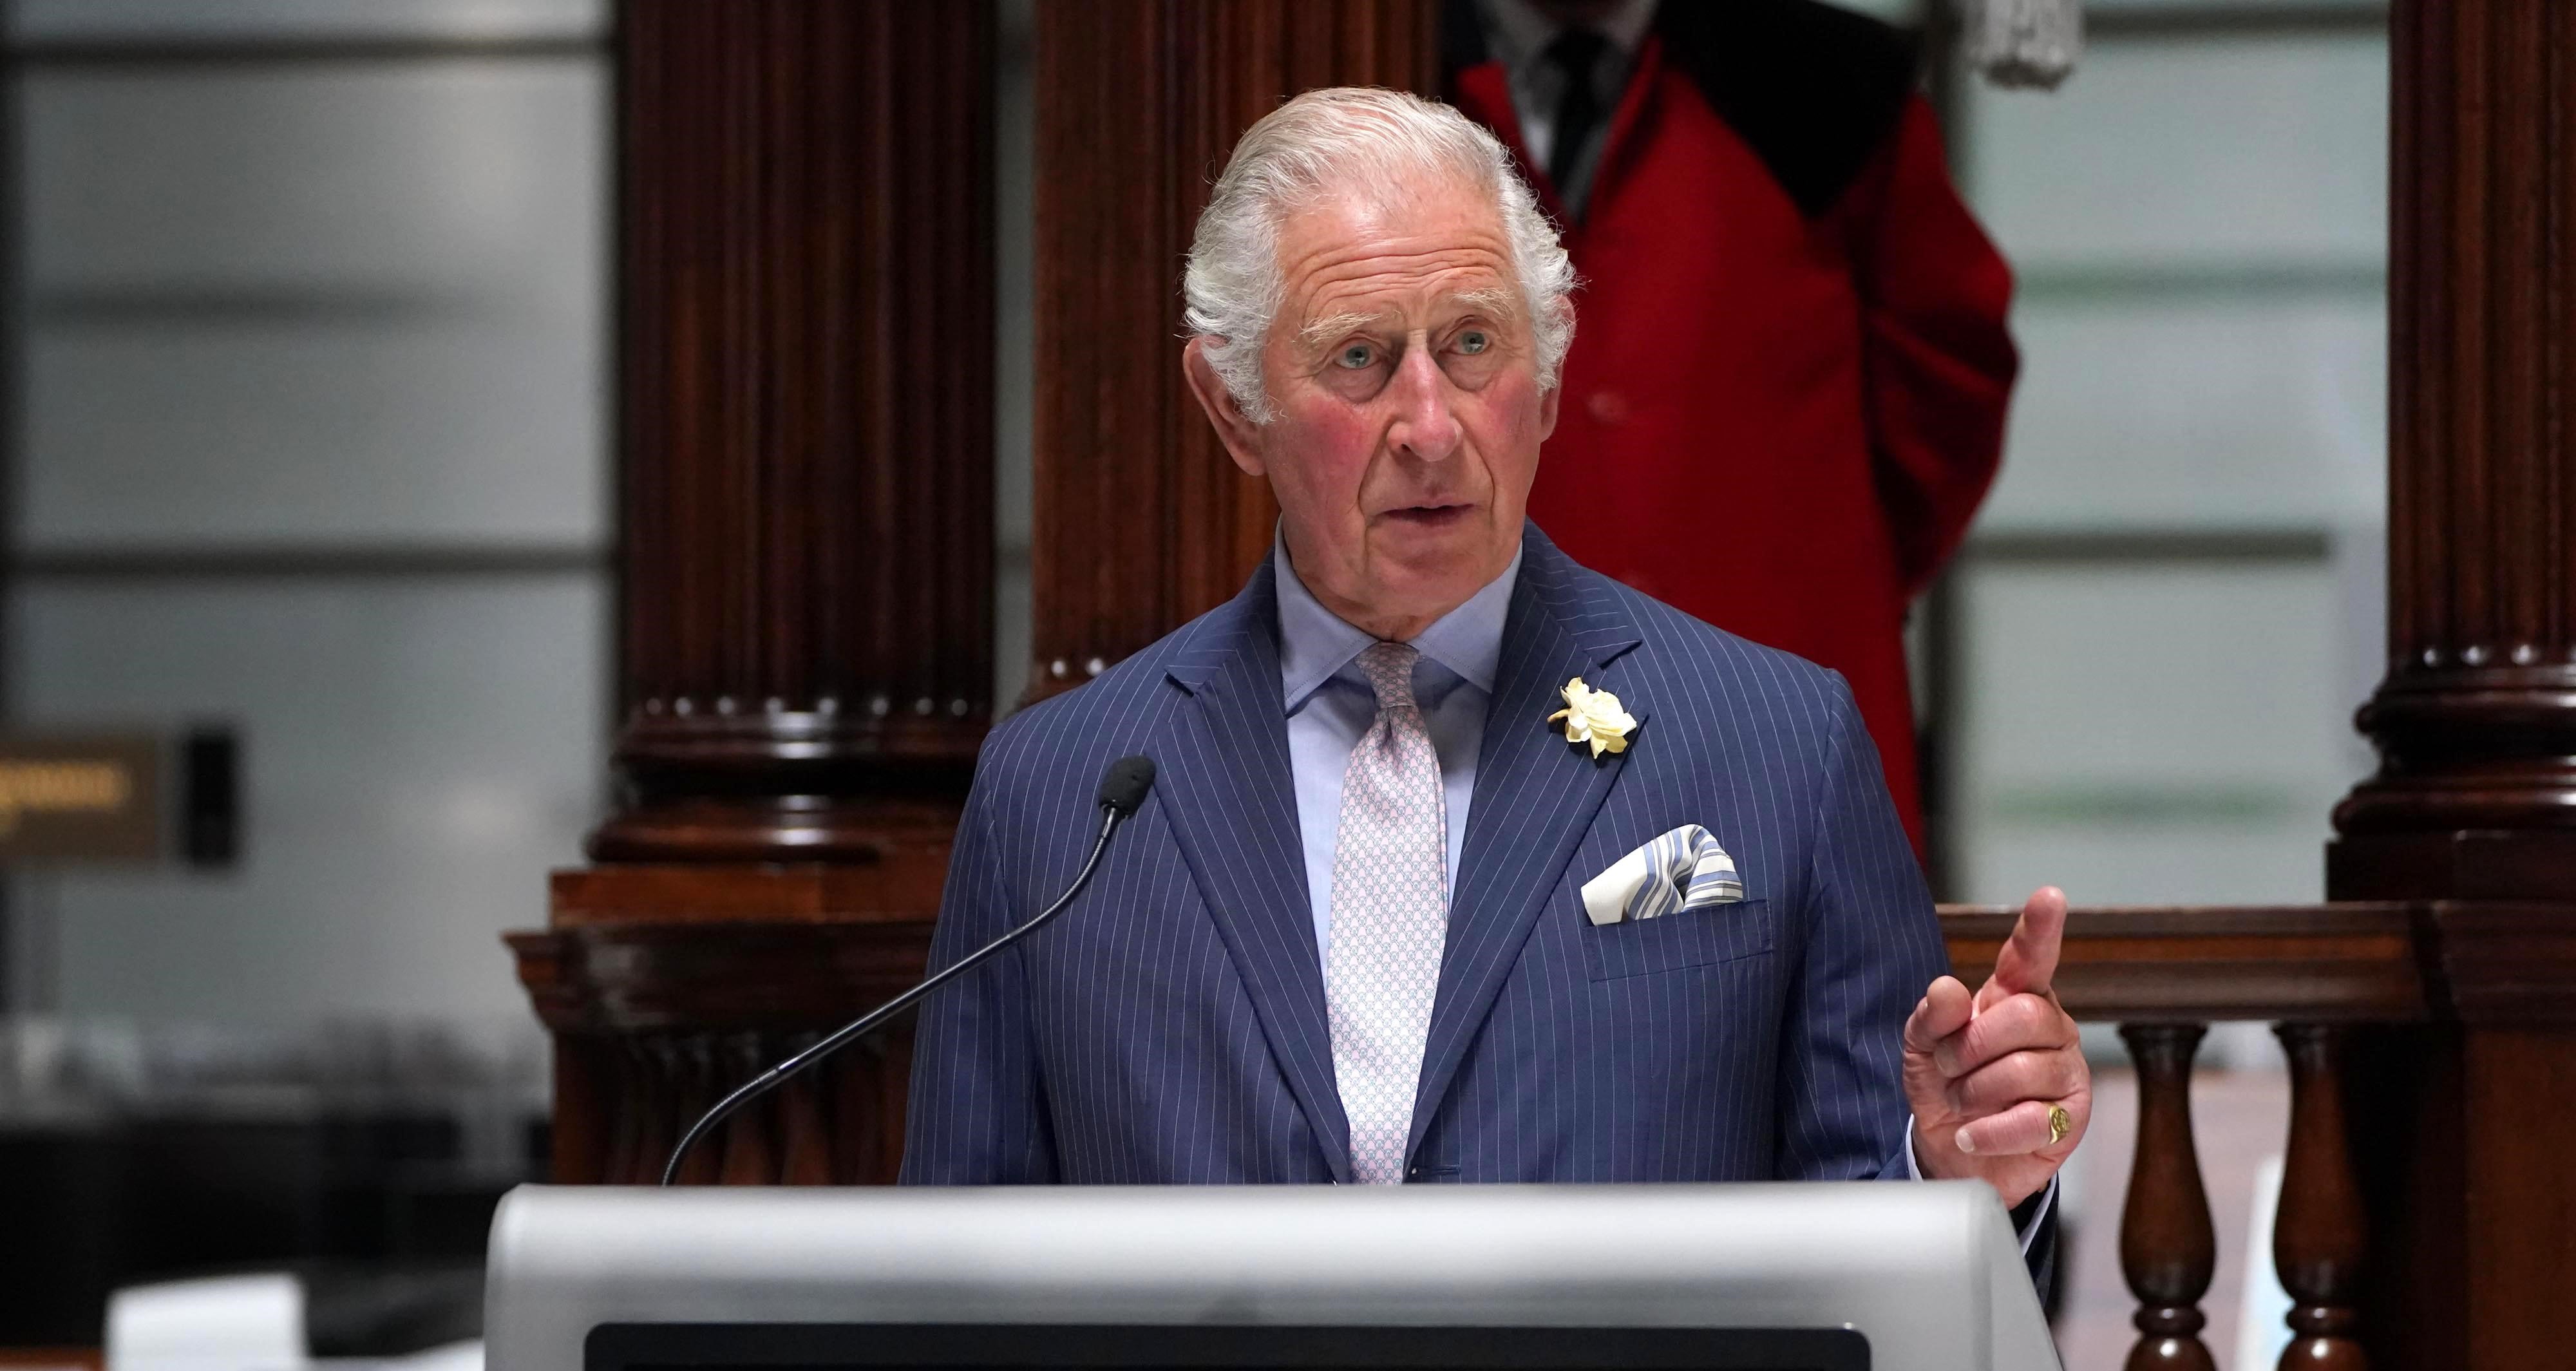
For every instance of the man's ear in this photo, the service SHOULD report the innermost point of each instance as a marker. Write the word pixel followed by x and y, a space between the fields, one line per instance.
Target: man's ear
pixel 1241 436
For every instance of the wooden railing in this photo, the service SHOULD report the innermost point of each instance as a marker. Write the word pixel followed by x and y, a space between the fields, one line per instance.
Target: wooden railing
pixel 2164 975
pixel 654 1015
pixel 662 988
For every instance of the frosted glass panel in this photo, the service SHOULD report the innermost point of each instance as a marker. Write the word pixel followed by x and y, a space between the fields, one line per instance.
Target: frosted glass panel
pixel 481 20
pixel 284 433
pixel 318 304
pixel 2193 411
pixel 416 755
pixel 2168 734
pixel 2167 152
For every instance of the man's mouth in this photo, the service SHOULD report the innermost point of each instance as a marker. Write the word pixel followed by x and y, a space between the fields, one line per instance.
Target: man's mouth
pixel 1430 516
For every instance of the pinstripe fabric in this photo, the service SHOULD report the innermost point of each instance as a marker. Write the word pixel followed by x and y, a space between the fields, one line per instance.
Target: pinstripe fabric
pixel 1170 1027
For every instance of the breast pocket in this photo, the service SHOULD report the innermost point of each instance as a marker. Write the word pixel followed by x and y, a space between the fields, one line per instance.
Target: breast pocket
pixel 1699 937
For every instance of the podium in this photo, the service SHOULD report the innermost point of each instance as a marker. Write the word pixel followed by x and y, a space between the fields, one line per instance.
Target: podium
pixel 1784 1277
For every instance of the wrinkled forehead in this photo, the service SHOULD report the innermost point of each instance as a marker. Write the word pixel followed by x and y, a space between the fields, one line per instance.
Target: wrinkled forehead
pixel 1394 250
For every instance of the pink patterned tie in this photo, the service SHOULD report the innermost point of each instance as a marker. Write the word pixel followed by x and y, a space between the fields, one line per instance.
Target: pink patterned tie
pixel 1390 916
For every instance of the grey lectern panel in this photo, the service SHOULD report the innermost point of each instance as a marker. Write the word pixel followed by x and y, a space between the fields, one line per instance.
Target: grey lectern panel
pixel 1929 1273
pixel 1210 1347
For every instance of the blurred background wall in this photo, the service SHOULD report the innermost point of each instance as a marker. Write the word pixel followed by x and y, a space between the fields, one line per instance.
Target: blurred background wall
pixel 310 361
pixel 2172 600
pixel 306 438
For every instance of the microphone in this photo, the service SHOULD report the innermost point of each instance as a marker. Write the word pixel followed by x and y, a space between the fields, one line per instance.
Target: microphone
pixel 1122 790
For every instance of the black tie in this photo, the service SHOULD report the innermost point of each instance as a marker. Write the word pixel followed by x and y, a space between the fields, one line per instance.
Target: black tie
pixel 1576 53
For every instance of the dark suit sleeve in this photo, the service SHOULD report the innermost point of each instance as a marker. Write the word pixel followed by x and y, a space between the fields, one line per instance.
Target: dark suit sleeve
pixel 2039 1245
pixel 976 1115
pixel 1867 945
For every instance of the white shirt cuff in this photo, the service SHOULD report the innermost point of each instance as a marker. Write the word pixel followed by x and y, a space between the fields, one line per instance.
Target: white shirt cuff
pixel 2047 1198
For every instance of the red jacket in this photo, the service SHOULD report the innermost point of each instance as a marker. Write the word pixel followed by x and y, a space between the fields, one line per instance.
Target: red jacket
pixel 1778 417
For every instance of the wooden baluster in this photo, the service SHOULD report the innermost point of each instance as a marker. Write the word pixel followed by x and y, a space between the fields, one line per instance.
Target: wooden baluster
pixel 748 1157
pixel 2167 1247
pixel 859 1101
pixel 626 1108
pixel 894 1082
pixel 2318 1236
pixel 655 1099
pixel 804 1141
pixel 691 1061
pixel 849 1091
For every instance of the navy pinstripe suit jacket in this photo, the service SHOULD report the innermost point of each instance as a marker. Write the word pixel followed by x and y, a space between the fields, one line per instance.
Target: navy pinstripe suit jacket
pixel 1169 1026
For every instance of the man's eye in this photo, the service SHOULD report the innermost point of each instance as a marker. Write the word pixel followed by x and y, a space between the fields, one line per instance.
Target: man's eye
pixel 1474 340
pixel 1356 356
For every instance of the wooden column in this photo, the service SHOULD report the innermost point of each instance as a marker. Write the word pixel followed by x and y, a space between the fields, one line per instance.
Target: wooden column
pixel 1141 521
pixel 805 318
pixel 2462 1129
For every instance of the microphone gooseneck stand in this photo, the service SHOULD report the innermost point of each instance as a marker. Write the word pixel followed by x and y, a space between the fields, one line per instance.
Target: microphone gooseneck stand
pixel 1122 789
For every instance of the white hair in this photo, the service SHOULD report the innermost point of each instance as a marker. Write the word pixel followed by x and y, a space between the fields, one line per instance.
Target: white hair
pixel 1340 138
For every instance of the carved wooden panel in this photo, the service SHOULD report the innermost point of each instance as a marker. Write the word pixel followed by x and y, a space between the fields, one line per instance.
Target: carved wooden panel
pixel 666 986
pixel 1141 521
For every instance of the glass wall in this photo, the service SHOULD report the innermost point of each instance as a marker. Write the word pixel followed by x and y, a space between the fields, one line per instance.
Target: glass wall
pixel 307 378
pixel 311 442
pixel 2172 600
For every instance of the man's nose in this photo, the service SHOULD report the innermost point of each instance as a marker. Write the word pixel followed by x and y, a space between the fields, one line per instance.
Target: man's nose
pixel 1426 427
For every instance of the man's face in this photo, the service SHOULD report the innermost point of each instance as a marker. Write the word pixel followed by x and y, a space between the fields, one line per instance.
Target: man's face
pixel 1407 411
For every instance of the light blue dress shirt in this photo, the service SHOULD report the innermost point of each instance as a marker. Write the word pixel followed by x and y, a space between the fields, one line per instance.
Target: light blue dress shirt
pixel 1330 708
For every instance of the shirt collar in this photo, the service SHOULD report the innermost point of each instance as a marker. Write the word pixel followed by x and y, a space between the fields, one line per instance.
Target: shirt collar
pixel 1315 643
pixel 1518 32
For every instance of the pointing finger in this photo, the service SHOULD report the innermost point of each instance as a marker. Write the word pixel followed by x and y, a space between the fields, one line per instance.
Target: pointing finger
pixel 2028 962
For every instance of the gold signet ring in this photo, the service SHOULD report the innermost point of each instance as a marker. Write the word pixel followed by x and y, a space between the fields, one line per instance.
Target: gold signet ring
pixel 2059 1124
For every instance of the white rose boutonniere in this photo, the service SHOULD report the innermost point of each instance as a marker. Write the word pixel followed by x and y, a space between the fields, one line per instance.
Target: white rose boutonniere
pixel 1594 716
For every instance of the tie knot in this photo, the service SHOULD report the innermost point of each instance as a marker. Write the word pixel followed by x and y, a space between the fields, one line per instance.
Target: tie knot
pixel 1577 52
pixel 1389 667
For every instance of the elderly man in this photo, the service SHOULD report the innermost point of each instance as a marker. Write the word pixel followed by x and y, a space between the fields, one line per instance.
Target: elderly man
pixel 1466 863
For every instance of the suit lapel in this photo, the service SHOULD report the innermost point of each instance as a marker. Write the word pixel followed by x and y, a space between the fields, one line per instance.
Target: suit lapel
pixel 1234 811
pixel 1535 797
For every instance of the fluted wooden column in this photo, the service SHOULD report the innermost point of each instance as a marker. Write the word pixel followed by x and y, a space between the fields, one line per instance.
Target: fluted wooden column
pixel 2462 1129
pixel 806 320
pixel 805 400
pixel 1141 521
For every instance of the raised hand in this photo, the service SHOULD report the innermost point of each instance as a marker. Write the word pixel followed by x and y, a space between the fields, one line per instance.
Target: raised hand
pixel 1984 1072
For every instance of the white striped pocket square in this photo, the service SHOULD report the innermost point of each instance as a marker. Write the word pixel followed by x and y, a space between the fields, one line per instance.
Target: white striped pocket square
pixel 1682 870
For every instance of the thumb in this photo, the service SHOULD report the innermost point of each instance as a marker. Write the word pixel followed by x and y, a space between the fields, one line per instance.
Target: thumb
pixel 1945 1010
pixel 2028 962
